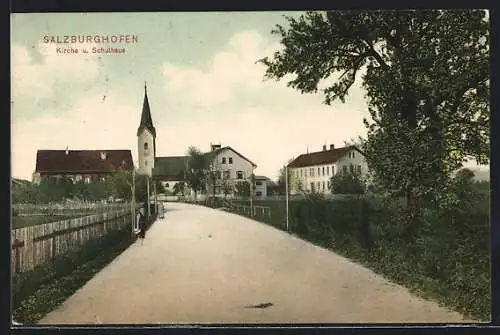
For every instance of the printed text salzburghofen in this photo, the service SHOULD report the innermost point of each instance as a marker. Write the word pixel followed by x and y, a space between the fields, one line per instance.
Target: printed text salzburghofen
pixel 73 39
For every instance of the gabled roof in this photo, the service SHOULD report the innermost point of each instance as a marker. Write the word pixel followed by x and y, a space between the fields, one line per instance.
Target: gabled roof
pixel 146 120
pixel 321 157
pixel 83 161
pixel 211 154
pixel 262 178
pixel 170 168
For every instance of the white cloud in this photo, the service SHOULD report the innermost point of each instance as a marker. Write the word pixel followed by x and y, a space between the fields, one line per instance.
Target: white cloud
pixel 235 66
pixel 37 79
pixel 91 124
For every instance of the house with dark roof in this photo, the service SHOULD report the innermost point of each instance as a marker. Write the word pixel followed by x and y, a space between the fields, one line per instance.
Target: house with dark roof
pixel 229 166
pixel 87 165
pixel 311 172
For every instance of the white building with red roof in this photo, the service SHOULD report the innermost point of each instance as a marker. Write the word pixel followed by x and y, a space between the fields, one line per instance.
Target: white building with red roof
pixel 311 172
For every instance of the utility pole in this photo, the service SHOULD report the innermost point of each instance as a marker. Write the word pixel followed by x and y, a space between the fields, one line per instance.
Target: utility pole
pixel 286 195
pixel 133 202
pixel 252 183
pixel 148 202
pixel 155 197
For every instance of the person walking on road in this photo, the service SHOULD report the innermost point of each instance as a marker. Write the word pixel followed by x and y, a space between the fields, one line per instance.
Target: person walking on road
pixel 142 225
pixel 161 211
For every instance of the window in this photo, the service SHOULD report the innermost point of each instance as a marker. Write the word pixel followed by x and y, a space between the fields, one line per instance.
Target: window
pixel 319 173
pixel 311 172
pixel 258 193
pixel 353 154
pixel 323 186
pixel 312 186
pixel 319 186
pixel 344 168
pixel 333 170
pixel 219 174
pixel 230 160
pixel 351 168
pixel 87 180
pixel 223 160
pixel 323 171
pixel 227 174
pixel 145 145
pixel 258 183
pixel 327 170
pixel 239 174
pixel 358 169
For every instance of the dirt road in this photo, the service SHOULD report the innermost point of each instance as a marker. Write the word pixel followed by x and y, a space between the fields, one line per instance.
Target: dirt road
pixel 200 265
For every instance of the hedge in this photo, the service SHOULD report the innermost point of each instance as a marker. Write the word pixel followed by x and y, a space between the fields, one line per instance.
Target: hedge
pixel 445 257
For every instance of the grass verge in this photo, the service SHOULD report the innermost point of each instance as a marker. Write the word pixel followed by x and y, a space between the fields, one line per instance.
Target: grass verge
pixel 37 292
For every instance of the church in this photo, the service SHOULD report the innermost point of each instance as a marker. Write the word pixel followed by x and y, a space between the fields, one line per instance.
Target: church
pixel 229 166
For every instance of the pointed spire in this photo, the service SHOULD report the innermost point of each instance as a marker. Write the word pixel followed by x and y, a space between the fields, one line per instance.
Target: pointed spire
pixel 146 120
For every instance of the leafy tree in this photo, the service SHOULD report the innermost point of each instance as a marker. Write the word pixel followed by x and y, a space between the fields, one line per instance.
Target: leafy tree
pixel 281 178
pixel 179 188
pixel 50 191
pixel 141 188
pixel 25 192
pixel 462 192
pixel 347 183
pixel 212 173
pixel 227 188
pixel 242 189
pixel 120 184
pixel 426 78
pixel 196 170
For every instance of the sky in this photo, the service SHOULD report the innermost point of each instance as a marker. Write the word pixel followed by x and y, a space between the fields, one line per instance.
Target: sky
pixel 204 86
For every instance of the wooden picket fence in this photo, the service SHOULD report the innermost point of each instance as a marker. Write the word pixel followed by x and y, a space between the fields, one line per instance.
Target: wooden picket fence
pixel 261 211
pixel 35 245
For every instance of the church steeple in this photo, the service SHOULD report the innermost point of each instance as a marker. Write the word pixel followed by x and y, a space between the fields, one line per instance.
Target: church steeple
pixel 146 120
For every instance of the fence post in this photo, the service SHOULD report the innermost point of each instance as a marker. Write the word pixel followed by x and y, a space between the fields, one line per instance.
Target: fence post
pixel 53 250
pixel 17 259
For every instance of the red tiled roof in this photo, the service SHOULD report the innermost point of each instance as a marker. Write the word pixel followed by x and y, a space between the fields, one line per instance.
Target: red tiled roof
pixel 321 157
pixel 83 161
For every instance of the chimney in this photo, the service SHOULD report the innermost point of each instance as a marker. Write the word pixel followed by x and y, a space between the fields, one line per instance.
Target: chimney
pixel 67 151
pixel 215 146
pixel 324 147
pixel 103 155
pixel 332 146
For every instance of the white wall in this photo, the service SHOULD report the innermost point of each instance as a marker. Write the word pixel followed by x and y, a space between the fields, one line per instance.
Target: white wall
pixel 358 159
pixel 262 188
pixel 238 164
pixel 145 136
